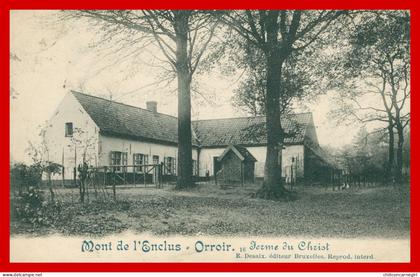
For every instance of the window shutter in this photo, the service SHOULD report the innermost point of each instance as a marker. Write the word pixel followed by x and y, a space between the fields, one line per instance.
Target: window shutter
pixel 112 158
pixel 174 166
pixel 124 158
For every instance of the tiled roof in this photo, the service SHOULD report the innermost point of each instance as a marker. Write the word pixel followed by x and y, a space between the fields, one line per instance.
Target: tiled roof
pixel 249 130
pixel 323 156
pixel 119 119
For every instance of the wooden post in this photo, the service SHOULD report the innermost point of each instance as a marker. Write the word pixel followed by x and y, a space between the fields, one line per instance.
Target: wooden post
pixel 161 173
pixel 154 168
pixel 291 177
pixel 340 179
pixel 87 187
pixel 144 175
pixel 62 176
pixel 62 167
pixel 113 184
pixel 134 175
pixel 346 180
pixel 124 174
pixel 74 176
pixel 242 174
pixel 95 182
pixel 160 177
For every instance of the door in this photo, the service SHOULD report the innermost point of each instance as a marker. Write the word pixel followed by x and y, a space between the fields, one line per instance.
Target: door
pixel 216 165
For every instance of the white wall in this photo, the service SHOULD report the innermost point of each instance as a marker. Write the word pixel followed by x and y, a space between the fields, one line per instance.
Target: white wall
pixel 293 151
pixel 206 159
pixel 108 144
pixel 59 146
pixel 259 152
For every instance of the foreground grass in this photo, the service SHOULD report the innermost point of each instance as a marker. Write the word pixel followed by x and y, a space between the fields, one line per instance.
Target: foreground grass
pixel 209 210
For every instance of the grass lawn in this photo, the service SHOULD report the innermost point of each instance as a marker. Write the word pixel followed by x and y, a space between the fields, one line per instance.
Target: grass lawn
pixel 210 210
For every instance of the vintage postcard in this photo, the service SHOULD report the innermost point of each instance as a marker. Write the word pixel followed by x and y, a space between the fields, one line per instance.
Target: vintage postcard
pixel 237 136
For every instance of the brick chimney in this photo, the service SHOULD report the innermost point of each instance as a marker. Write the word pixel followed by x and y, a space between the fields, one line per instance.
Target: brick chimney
pixel 152 106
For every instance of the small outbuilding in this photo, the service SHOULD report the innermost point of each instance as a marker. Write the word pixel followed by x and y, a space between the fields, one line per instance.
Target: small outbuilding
pixel 236 165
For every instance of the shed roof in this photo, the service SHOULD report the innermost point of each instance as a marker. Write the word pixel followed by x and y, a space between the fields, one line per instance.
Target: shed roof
pixel 322 156
pixel 240 151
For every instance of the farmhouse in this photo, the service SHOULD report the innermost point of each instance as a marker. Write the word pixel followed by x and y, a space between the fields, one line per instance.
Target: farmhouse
pixel 107 133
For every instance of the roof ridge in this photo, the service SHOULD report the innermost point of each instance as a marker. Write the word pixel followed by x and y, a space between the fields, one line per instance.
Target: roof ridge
pixel 120 103
pixel 136 107
pixel 227 118
pixel 244 117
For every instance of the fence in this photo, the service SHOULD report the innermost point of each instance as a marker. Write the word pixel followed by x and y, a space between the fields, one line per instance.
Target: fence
pixel 340 180
pixel 99 179
pixel 290 175
pixel 131 174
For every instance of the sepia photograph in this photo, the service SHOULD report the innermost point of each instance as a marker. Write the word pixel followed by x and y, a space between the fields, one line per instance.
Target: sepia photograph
pixel 210 136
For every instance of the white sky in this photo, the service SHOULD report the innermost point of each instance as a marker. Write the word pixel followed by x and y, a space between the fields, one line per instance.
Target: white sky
pixel 54 58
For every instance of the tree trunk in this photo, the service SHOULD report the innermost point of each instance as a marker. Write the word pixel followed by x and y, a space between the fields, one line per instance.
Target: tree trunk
pixel 184 179
pixel 272 187
pixel 272 170
pixel 390 165
pixel 50 188
pixel 400 144
pixel 82 194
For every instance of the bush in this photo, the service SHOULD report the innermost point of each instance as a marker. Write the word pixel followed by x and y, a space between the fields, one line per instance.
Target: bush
pixel 30 207
pixel 23 176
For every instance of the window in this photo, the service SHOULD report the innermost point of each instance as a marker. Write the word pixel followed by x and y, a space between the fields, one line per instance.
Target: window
pixel 69 129
pixel 119 158
pixel 170 166
pixel 140 159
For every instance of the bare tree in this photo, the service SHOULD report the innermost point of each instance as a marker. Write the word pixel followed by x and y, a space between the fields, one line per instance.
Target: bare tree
pixel 377 66
pixel 278 34
pixel 183 37
pixel 39 154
